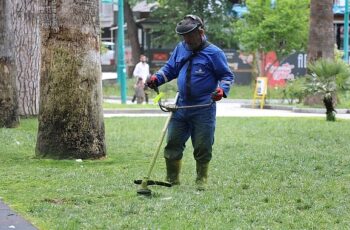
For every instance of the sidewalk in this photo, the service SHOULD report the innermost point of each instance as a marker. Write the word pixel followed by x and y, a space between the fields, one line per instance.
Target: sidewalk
pixel 11 220
pixel 232 108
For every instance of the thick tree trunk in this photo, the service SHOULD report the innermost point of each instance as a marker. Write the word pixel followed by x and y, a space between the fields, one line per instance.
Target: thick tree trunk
pixel 132 33
pixel 70 115
pixel 27 51
pixel 8 99
pixel 321 32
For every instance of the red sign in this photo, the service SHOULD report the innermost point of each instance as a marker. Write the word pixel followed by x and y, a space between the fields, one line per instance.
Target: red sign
pixel 271 67
pixel 160 57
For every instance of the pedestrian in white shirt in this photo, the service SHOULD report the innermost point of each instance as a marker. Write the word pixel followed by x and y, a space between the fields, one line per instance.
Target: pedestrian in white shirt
pixel 142 71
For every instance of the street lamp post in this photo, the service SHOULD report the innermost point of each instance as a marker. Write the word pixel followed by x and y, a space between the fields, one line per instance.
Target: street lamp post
pixel 346 32
pixel 121 60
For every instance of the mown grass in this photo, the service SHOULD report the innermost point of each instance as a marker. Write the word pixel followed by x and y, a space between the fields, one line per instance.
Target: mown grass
pixel 266 173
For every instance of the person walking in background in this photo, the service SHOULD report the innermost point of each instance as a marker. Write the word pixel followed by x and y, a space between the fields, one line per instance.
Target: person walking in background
pixel 139 91
pixel 141 71
pixel 203 75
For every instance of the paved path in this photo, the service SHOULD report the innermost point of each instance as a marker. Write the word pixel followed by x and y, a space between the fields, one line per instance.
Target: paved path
pixel 236 108
pixel 11 220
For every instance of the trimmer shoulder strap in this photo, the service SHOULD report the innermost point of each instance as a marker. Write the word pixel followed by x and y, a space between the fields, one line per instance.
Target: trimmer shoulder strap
pixel 194 53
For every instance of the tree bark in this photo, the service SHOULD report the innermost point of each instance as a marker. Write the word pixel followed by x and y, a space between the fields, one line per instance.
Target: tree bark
pixel 27 55
pixel 321 34
pixel 8 99
pixel 70 116
pixel 132 33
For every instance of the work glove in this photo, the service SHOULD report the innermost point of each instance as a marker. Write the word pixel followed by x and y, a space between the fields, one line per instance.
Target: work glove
pixel 152 82
pixel 217 94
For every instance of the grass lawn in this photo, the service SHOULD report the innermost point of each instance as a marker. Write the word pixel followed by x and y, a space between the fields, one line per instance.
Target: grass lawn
pixel 266 173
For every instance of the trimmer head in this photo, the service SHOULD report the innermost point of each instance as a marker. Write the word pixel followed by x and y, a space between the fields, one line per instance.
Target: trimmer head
pixel 144 190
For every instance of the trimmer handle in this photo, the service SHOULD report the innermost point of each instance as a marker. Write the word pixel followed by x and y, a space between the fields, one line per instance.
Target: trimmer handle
pixel 156 90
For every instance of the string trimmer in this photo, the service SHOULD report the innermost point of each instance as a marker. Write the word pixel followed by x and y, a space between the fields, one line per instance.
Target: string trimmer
pixel 145 182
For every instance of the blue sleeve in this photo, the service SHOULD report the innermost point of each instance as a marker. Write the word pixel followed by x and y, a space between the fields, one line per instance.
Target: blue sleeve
pixel 170 70
pixel 223 72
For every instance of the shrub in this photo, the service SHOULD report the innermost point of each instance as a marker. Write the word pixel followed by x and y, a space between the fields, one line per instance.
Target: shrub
pixel 295 89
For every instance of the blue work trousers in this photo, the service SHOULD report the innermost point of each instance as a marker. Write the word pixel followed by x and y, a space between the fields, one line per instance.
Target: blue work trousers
pixel 197 123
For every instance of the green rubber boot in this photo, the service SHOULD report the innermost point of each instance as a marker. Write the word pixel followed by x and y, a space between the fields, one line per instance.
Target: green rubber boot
pixel 173 168
pixel 202 176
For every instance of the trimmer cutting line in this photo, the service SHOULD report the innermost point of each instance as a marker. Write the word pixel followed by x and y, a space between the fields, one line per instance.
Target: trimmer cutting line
pixel 144 190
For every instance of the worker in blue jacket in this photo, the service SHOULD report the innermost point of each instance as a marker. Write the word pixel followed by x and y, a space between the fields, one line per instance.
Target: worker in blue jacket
pixel 203 75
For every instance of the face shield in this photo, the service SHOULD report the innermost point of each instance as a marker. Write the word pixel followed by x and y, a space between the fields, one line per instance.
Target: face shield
pixel 188 24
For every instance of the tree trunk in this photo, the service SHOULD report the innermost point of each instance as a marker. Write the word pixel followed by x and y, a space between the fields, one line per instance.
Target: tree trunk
pixel 259 61
pixel 8 99
pixel 321 34
pixel 70 115
pixel 27 55
pixel 132 33
pixel 328 103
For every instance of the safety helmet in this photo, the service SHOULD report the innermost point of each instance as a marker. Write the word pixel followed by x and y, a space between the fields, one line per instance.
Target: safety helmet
pixel 188 24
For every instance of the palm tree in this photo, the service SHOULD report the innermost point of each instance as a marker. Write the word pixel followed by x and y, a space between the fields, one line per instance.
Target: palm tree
pixel 321 32
pixel 326 78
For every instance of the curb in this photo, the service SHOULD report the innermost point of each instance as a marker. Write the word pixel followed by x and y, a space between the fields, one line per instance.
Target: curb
pixel 297 110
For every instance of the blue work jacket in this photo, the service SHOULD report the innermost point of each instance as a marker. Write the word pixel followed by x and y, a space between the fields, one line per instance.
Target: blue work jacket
pixel 209 71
